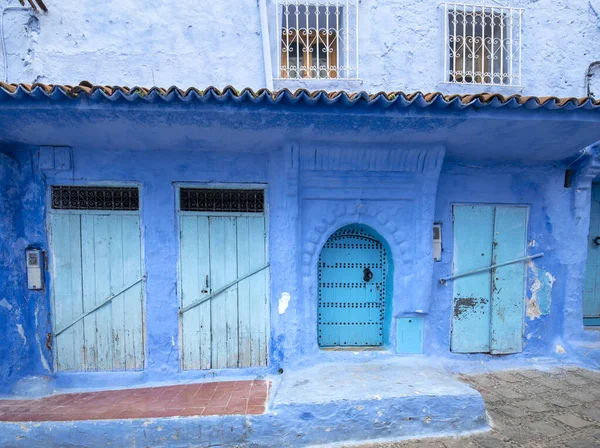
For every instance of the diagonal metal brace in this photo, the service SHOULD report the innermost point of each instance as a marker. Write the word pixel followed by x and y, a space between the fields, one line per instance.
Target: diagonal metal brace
pixel 101 304
pixel 223 288
pixel 487 268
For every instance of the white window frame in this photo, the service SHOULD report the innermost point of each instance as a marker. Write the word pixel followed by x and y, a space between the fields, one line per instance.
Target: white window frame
pixel 333 35
pixel 494 59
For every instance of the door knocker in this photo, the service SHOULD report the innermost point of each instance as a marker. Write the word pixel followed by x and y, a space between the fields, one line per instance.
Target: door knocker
pixel 367 275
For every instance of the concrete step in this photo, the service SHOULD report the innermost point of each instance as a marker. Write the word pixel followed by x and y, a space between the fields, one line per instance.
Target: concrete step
pixel 385 399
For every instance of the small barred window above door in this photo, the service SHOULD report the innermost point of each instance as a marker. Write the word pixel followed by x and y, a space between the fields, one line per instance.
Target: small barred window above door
pixel 318 39
pixel 482 44
pixel 70 197
pixel 221 200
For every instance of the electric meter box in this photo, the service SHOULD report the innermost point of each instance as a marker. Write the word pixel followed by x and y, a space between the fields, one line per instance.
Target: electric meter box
pixel 35 269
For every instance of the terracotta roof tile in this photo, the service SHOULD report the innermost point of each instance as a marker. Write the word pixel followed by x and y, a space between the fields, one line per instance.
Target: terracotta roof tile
pixel 402 99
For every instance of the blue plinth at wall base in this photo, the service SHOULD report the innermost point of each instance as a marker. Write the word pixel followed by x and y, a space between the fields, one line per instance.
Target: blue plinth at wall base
pixel 287 426
pixel 381 399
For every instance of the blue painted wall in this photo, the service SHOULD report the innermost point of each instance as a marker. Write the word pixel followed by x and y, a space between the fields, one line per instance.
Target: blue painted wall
pixel 314 186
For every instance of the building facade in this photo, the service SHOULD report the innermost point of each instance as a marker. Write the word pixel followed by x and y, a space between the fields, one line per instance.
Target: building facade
pixel 161 234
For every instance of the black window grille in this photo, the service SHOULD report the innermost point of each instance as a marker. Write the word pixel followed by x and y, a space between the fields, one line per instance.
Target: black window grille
pixel 221 200
pixel 95 198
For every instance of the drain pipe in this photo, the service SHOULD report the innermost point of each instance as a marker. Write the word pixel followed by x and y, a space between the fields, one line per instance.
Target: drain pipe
pixel 588 77
pixel 264 31
pixel 3 39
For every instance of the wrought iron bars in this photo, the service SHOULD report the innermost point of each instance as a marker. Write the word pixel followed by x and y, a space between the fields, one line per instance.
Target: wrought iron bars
pixel 318 39
pixel 482 44
pixel 221 200
pixel 95 198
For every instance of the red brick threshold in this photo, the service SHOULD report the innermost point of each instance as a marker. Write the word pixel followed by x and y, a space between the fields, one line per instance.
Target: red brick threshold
pixel 216 398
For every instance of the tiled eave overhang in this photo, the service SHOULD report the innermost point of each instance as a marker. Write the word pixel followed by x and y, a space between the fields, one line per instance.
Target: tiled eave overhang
pixel 302 96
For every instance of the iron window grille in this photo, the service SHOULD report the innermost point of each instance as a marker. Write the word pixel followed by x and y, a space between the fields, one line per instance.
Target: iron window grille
pixel 221 200
pixel 482 44
pixel 66 197
pixel 318 39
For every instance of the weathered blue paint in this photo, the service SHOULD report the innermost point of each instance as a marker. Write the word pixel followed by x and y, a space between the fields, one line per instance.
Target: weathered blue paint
pixel 97 255
pixel 230 329
pixel 488 305
pixel 353 280
pixel 409 334
pixel 473 246
pixel 591 286
pixel 508 282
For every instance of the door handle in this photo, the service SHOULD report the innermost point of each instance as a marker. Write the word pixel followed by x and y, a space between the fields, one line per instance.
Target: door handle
pixel 367 275
pixel 597 241
pixel 205 291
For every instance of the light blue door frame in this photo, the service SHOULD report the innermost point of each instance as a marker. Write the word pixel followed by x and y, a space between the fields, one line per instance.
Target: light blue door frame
pixel 591 288
pixel 97 273
pixel 352 289
pixel 488 306
pixel 229 328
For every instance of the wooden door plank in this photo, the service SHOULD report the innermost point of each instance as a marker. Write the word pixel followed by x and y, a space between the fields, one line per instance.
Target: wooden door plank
pixel 473 229
pixel 508 282
pixel 231 294
pixel 133 298
pixel 67 293
pixel 89 291
pixel 204 310
pixel 223 271
pixel 245 263
pixel 258 304
pixel 116 283
pixel 190 290
pixel 103 314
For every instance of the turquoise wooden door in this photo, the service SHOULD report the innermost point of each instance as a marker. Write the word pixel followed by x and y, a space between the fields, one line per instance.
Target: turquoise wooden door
pixel 352 293
pixel 488 306
pixel 591 288
pixel 223 260
pixel 97 273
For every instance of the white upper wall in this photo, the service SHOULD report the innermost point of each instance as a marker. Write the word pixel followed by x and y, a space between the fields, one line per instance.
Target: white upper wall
pixel 216 43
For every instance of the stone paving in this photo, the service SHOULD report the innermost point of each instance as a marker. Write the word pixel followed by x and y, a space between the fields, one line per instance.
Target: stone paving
pixel 531 408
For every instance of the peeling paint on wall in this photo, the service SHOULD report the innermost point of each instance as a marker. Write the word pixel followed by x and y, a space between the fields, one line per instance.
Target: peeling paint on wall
pixel 541 292
pixel 22 334
pixel 4 304
pixel 39 344
pixel 284 301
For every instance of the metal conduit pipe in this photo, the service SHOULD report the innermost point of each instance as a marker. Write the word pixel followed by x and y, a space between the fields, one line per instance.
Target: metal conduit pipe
pixel 3 11
pixel 588 77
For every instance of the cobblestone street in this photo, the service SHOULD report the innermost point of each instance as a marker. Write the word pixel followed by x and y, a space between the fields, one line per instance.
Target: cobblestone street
pixel 531 408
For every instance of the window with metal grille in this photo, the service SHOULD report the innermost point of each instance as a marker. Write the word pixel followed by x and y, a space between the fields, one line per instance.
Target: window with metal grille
pixel 221 200
pixel 95 198
pixel 318 39
pixel 483 44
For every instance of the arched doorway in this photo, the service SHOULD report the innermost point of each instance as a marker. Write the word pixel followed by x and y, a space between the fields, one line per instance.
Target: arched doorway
pixel 353 280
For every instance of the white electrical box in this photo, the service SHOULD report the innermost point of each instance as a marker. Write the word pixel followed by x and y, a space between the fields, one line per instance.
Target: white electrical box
pixel 35 269
pixel 437 242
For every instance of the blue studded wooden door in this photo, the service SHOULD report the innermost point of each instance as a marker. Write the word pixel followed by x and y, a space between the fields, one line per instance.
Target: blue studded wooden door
pixel 352 294
pixel 488 306
pixel 591 287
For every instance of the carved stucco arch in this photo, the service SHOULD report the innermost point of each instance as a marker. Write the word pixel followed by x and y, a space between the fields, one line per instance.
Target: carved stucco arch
pixel 343 215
